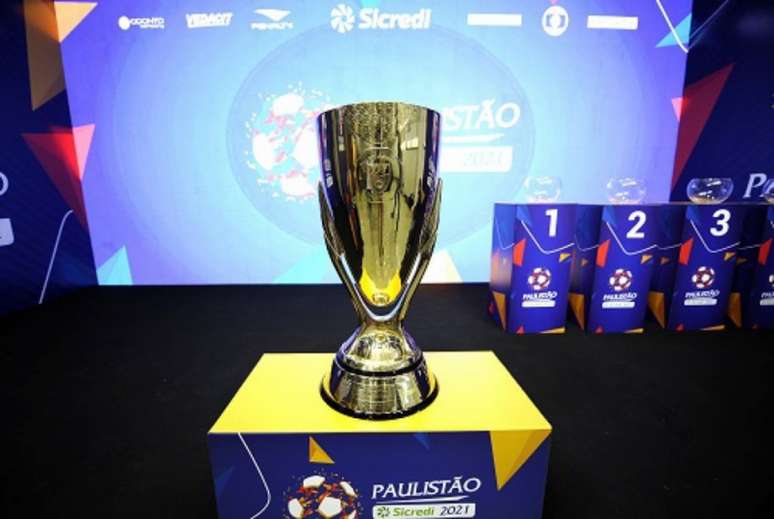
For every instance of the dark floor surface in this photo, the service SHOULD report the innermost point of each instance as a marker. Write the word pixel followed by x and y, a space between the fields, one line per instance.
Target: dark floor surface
pixel 110 393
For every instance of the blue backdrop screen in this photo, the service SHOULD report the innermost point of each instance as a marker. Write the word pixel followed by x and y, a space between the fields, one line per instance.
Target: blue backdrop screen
pixel 203 163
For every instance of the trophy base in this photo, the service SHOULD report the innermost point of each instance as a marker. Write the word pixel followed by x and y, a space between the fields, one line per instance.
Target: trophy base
pixel 379 396
pixel 480 450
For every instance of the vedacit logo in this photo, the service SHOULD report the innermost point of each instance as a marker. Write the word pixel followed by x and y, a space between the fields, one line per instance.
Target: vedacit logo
pixel 155 22
pixel 343 19
pixel 271 20
pixel 200 20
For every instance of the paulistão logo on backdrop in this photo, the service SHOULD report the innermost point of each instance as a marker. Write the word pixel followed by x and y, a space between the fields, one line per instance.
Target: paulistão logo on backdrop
pixel 343 19
pixel 271 20
pixel 155 22
pixel 472 136
pixel 201 20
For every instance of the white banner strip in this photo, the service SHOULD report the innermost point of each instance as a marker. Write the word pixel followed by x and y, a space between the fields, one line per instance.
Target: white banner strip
pixel 617 23
pixel 495 19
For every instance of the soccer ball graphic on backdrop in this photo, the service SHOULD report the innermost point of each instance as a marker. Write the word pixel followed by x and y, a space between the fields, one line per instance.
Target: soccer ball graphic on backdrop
pixel 539 278
pixel 703 277
pixel 620 280
pixel 325 497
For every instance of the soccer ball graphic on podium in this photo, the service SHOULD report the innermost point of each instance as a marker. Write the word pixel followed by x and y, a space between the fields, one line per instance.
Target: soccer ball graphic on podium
pixel 703 277
pixel 539 278
pixel 325 497
pixel 620 280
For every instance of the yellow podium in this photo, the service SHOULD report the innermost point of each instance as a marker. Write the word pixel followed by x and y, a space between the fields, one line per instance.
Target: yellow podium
pixel 480 450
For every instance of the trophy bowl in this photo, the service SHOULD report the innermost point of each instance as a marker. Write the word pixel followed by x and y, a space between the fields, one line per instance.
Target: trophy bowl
pixel 542 189
pixel 380 198
pixel 625 190
pixel 709 191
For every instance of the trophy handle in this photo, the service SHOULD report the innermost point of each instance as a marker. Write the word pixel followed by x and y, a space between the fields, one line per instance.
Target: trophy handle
pixel 336 252
pixel 427 243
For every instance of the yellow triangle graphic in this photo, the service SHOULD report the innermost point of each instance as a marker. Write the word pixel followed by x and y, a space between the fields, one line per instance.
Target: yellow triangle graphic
pixel 317 454
pixel 44 60
pixel 735 308
pixel 510 449
pixel 645 258
pixel 500 303
pixel 578 307
pixel 728 255
pixel 69 15
pixel 564 255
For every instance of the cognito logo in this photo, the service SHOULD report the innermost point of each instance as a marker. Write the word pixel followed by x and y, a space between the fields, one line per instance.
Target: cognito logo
pixel 342 18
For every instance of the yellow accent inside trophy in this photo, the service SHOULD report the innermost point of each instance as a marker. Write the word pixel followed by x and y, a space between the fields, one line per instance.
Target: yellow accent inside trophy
pixel 477 393
pixel 380 296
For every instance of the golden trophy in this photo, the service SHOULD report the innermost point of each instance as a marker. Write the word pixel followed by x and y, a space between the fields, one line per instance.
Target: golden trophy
pixel 380 197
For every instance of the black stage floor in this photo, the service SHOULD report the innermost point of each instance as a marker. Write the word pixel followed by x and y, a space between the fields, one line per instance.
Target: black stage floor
pixel 110 393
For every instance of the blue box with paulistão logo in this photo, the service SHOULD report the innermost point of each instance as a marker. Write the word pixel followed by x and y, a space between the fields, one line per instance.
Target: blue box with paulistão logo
pixel 279 451
pixel 612 266
pixel 530 266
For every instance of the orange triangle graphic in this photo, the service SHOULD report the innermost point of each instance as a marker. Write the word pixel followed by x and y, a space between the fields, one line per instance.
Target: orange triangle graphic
pixel 511 449
pixel 685 251
pixel 44 59
pixel 317 454
pixel 656 305
pixel 728 255
pixel 518 252
pixel 735 308
pixel 645 258
pixel 602 253
pixel 763 251
pixel 578 308
pixel 584 262
pixel 69 15
pixel 664 260
pixel 499 300
pixel 564 255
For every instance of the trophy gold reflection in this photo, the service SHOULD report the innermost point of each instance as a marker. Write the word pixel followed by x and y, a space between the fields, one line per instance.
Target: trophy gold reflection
pixel 379 201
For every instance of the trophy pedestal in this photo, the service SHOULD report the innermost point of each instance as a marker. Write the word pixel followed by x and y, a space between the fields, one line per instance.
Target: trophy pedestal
pixel 480 449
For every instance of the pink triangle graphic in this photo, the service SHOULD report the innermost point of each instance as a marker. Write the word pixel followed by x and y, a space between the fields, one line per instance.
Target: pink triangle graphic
pixel 677 106
pixel 82 136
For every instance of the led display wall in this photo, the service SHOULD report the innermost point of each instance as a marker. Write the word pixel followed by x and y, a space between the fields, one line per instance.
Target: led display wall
pixel 203 160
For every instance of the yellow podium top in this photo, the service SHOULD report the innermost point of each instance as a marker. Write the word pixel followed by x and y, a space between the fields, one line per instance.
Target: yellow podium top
pixel 476 393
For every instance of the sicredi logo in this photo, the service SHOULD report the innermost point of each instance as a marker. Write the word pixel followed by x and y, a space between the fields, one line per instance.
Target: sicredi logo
pixel 201 20
pixel 343 19
pixel 271 20
pixel 126 23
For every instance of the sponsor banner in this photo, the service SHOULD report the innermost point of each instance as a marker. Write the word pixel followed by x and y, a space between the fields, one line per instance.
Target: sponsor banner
pixel 202 20
pixel 705 266
pixel 623 267
pixel 531 256
pixel 760 307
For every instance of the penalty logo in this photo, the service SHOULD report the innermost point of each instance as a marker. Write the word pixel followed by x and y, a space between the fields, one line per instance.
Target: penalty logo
pixel 703 278
pixel 326 497
pixel 620 280
pixel 539 278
